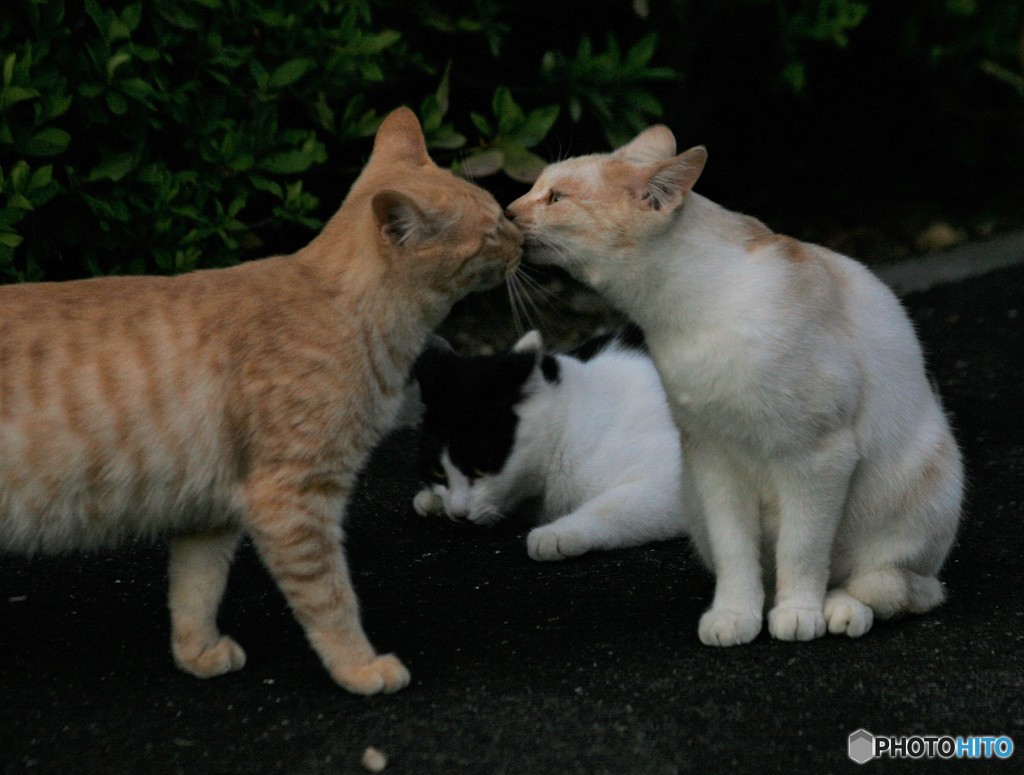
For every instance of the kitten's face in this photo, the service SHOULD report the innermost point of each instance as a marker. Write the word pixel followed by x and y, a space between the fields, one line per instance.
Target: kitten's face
pixel 468 455
pixel 592 214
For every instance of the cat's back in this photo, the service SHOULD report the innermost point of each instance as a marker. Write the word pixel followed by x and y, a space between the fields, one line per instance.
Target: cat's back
pixel 118 402
pixel 618 412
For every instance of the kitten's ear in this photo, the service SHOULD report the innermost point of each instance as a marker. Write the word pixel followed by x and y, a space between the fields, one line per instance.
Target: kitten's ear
pixel 400 219
pixel 672 180
pixel 400 139
pixel 531 342
pixel 655 143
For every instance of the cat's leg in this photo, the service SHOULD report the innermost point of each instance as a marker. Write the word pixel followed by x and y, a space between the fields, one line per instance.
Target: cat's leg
pixel 198 572
pixel 298 535
pixel 731 533
pixel 812 491
pixel 624 516
pixel 904 528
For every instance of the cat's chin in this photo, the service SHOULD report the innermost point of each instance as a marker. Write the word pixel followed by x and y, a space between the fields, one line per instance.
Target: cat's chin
pixel 539 253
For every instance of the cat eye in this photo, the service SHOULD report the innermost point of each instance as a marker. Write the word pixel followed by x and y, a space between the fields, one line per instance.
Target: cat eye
pixel 554 196
pixel 438 474
pixel 477 473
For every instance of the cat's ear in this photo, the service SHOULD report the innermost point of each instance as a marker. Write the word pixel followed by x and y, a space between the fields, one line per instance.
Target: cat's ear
pixel 400 139
pixel 656 143
pixel 670 181
pixel 400 218
pixel 530 342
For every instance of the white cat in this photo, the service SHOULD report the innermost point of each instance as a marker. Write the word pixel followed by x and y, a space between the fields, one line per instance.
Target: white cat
pixel 819 454
pixel 592 440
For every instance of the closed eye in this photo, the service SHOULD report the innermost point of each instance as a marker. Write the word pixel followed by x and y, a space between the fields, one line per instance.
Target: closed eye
pixel 554 196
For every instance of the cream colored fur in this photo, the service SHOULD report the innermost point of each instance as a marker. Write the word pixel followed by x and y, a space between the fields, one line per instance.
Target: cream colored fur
pixel 822 464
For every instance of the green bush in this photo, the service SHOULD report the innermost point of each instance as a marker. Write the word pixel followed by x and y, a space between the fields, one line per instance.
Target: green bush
pixel 162 137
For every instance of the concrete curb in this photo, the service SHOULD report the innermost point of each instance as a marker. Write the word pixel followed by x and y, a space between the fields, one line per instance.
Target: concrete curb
pixel 950 266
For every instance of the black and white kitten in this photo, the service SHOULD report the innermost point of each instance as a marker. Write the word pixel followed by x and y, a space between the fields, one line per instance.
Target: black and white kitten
pixel 589 435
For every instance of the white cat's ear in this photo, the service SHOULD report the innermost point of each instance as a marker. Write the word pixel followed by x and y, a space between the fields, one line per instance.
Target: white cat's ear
pixel 530 342
pixel 400 219
pixel 655 143
pixel 400 139
pixel 672 180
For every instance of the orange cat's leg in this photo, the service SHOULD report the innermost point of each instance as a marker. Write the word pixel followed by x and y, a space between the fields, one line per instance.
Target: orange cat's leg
pixel 299 537
pixel 198 575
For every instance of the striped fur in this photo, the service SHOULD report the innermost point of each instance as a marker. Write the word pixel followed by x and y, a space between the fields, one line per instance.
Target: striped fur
pixel 241 400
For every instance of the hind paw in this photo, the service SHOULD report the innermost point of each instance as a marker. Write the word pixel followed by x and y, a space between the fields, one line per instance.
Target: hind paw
pixel 846 615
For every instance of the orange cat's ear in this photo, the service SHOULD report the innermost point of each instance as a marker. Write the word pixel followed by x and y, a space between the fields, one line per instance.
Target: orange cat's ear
pixel 400 219
pixel 655 143
pixel 400 139
pixel 672 180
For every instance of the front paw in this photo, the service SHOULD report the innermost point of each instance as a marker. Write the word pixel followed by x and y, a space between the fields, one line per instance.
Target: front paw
pixel 727 627
pixel 546 544
pixel 208 660
pixel 794 623
pixel 384 675
pixel 428 503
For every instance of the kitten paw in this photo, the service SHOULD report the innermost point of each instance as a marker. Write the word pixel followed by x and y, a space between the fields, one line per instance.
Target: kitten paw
pixel 384 675
pixel 724 627
pixel 207 661
pixel 792 623
pixel 427 503
pixel 545 544
pixel 847 615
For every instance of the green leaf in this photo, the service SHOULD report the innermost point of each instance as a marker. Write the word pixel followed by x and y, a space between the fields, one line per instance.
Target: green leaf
pixel 521 164
pixel 446 139
pixel 480 164
pixel 112 168
pixel 537 125
pixel 12 95
pixel 289 73
pixel 9 63
pixel 46 142
pixel 483 126
pixel 10 239
pixel 287 162
pixel 506 110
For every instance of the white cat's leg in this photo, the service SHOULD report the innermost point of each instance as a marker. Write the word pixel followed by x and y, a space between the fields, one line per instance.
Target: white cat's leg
pixel 733 538
pixel 298 535
pixel 198 572
pixel 621 517
pixel 812 491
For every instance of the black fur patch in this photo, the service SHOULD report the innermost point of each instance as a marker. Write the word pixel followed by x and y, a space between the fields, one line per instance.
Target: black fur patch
pixel 550 369
pixel 629 337
pixel 469 408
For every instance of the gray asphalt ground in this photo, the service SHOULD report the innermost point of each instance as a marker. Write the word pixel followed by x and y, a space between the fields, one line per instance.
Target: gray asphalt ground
pixel 590 666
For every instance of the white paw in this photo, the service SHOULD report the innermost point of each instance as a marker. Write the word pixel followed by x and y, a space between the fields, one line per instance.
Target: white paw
pixel 546 543
pixel 428 503
pixel 847 615
pixel 726 627
pixel 793 623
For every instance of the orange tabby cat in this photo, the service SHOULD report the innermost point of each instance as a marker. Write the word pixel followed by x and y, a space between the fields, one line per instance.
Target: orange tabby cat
pixel 241 400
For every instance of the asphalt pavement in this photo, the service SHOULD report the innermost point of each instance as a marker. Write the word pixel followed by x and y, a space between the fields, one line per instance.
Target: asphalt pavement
pixel 587 666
